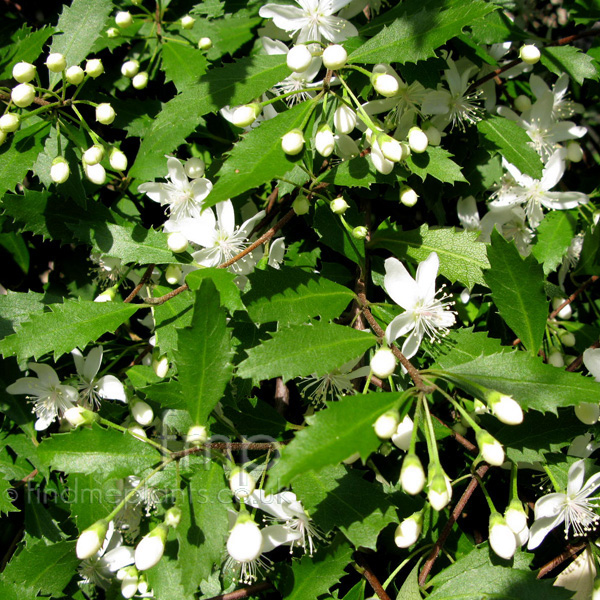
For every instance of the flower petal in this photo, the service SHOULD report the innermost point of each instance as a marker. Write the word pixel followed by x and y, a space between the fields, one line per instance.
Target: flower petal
pixel 575 478
pixel 46 373
pixel 426 273
pixel 78 360
pixel 412 343
pixel 109 387
pixel 226 216
pixel 278 535
pixel 400 325
pixel 177 174
pixel 591 360
pixel 541 528
pixel 288 18
pixel 92 363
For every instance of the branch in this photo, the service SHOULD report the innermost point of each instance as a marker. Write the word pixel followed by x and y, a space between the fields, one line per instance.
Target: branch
pixel 228 446
pixel 550 566
pixel 448 527
pixel 244 592
pixel 370 576
pixel 145 277
pixel 577 362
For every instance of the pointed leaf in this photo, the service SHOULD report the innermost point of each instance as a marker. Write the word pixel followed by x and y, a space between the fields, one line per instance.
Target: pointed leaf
pixel 436 162
pixel 570 60
pixel 183 65
pixel 554 235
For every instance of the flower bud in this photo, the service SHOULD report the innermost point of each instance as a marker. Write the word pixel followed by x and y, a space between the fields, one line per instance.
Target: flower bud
pixel 140 81
pixel 434 136
pixel 245 540
pixel 91 539
pixel 177 242
pixel 93 155
pixel 59 171
pixel 95 173
pixel 408 196
pixel 173 274
pixel 385 84
pixel 107 295
pixel 130 68
pixel 74 75
pixel 383 363
pixel 142 412
pixel 143 584
pixel 299 58
pixel 197 435
pixel 112 32
pixel 574 152
pixel 94 68
pixel 344 119
pixel 129 582
pixel 417 140
pixel 160 366
pixel 194 167
pixel 360 232
pixel 187 22
pixel 522 103
pixel 56 62
pixel 555 358
pixel 409 530
pixel 9 122
pixel 138 432
pixel 339 206
pixel 173 517
pixel 205 43
pixel 123 19
pixel 245 115
pixel 78 416
pixel 292 142
pixel 105 113
pixel 151 548
pixel 23 72
pixel 334 57
pixel 588 412
pixel 440 490
pixel 515 516
pixel 504 408
pixel 241 483
pixel 390 148
pixel 502 539
pixel 324 141
pixel 567 338
pixel 564 313
pixel 301 205
pixel 403 434
pixel 412 475
pixel 386 424
pixel 118 160
pixel 529 54
pixel 491 449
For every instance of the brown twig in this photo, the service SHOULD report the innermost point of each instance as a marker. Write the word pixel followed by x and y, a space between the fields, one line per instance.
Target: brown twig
pixel 38 101
pixel 370 576
pixel 459 438
pixel 244 592
pixel 232 446
pixel 577 362
pixel 136 290
pixel 460 505
pixel 550 566
pixel 25 479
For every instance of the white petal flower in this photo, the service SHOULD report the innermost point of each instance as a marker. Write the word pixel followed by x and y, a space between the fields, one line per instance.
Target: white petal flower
pixel 245 545
pixel 424 313
pixel 92 390
pixel 579 576
pixel 575 508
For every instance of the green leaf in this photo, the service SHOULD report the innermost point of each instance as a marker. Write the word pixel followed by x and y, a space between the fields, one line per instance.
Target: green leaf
pixel 80 24
pixel 183 65
pixel 305 350
pixel 333 434
pixel 517 286
pixel 233 84
pixel 589 260
pixel 204 355
pixel 229 34
pixel 570 60
pixel 70 325
pixel 165 579
pixel 415 37
pixel 435 161
pixel 336 236
pixel 26 47
pixel 291 296
pixel 224 281
pixel 336 496
pixel 554 235
pixel 15 245
pixel 463 345
pixel 258 157
pixel 461 257
pixel 203 527
pixel 411 590
pixel 91 498
pixel 6 506
pixel 357 172
pixel 312 576
pixel 533 384
pixel 97 450
pixel 19 153
pixel 513 143
pixel 170 316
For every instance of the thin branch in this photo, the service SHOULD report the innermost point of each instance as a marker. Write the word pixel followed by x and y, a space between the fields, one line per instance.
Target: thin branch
pixel 244 592
pixel 371 577
pixel 459 438
pixel 136 290
pixel 460 505
pixel 577 362
pixel 232 446
pixel 38 101
pixel 555 562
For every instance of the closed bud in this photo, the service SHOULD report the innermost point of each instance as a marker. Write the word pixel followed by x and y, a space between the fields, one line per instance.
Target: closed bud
pixel 515 516
pixel 177 242
pixel 245 540
pixel 160 366
pixel 588 412
pixel 334 57
pixel 574 152
pixel 567 339
pixel 107 295
pixel 301 205
pixel 383 363
pixel 197 435
pixel 245 115
pixel 409 530
pixel 173 274
pixel 91 540
pixel 412 475
pixel 93 155
pixel 386 424
pixel 105 113
pixel 143 584
pixel 138 432
pixel 324 141
pixel 408 196
pixel 151 548
pixel 130 68
pixel 142 412
pixel 75 75
pixel 502 539
pixel 94 67
pixel 23 72
pixel 529 54
pixel 129 582
pixel 187 22
pixel 504 408
pixel 344 119
pixel 491 449
pixel 59 171
pixel 292 142
pixel 417 140
pixel 56 62
pixel 112 32
pixel 78 416
pixel 241 483
pixel 118 160
pixel 556 359
pixel 9 122
pixel 440 490
pixel 299 58
pixel 194 167
pixel 522 103
pixel 140 81
pixel 205 43
pixel 339 206
pixel 95 173
pixel 385 84
pixel 403 434
pixel 564 313
pixel 390 148
pixel 360 232
pixel 173 517
pixel 123 19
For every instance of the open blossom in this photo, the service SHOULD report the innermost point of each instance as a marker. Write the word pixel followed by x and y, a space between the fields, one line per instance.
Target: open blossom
pixel 51 398
pixel 562 107
pixel 424 313
pixel 575 508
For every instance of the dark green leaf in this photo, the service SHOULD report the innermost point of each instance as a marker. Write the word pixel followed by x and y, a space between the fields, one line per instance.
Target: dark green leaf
pixel 570 60
pixel 554 235
pixel 335 235
pixel 170 316
pixel 27 47
pixel 224 282
pixel 435 161
pixel 183 65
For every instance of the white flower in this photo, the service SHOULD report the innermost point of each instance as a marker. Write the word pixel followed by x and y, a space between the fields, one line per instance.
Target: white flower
pixel 245 545
pixel 505 408
pixel 151 548
pixel 334 57
pixel 241 483
pixel 56 62
pixel 23 72
pixel 571 258
pixel 75 75
pixel 94 67
pixel 468 215
pixel 51 398
pixel 23 95
pixel 530 54
pixel 439 491
pixel 562 107
pixel 423 312
pixel 510 222
pixel 184 198
pixel 412 475
pixel 403 434
pixel 502 538
pixel 579 576
pixel 575 508
pixel 312 20
pixel 386 424
pixel 90 540
pixel 92 390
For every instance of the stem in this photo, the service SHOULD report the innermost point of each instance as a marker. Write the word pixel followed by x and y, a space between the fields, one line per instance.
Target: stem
pixel 229 446
pixel 370 576
pixel 287 95
pixel 404 563
pixel 122 429
pixel 485 493
pixel 550 566
pixel 359 109
pixel 246 592
pixel 432 448
pixel 145 277
pixel 367 382
pixel 553 481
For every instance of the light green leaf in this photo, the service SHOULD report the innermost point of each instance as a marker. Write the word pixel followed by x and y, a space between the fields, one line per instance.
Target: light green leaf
pixel 461 257
pixel 411 590
pixel 26 47
pixel 204 355
pixel 333 434
pixel 303 350
pixel 358 172
pixel 463 345
pixel 168 317
pixel 517 286
pixel 90 497
pixel 70 325
pixel 336 236
pixel 224 282
pixel 166 582
pixel 6 506
pixel 97 450
pixel 183 65
pixel 554 235
pixel 513 143
pixel 415 37
pixel 570 60
pixel 233 84
pixel 292 296
pixel 436 162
